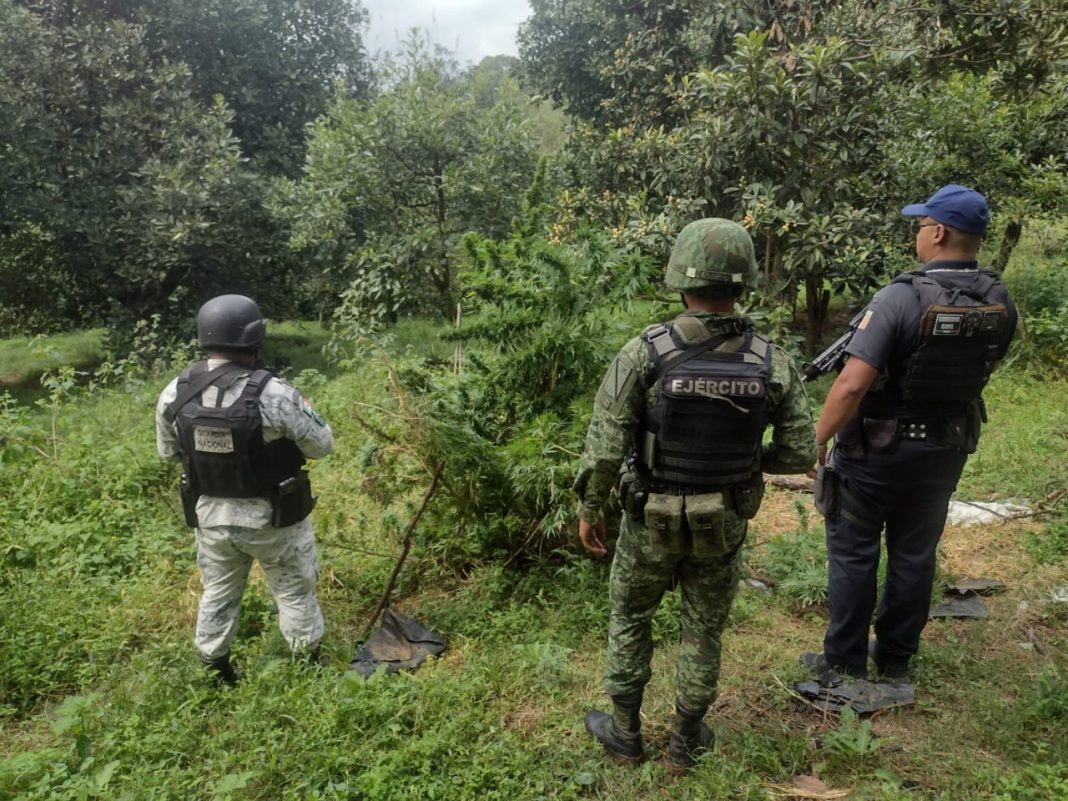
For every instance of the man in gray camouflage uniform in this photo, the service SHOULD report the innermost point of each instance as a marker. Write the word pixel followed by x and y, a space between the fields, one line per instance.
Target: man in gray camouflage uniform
pixel 249 442
pixel 686 404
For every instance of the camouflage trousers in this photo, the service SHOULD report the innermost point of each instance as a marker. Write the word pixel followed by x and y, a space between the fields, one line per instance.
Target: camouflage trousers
pixel 708 581
pixel 287 556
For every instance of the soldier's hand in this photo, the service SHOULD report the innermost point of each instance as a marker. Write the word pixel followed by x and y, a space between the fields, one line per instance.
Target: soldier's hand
pixel 821 459
pixel 593 536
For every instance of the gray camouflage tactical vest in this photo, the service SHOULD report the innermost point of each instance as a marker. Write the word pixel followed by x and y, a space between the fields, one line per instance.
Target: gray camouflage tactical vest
pixel 705 430
pixel 961 335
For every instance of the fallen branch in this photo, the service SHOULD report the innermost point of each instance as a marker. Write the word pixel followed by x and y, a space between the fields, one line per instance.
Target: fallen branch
pixel 405 548
pixel 796 483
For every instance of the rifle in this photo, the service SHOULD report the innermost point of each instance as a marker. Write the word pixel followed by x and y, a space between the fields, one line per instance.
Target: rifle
pixel 834 356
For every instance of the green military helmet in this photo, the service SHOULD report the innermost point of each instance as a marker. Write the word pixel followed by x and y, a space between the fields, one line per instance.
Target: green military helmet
pixel 714 253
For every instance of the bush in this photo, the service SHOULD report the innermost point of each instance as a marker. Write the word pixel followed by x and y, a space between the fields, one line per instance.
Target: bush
pixel 508 414
pixel 1038 282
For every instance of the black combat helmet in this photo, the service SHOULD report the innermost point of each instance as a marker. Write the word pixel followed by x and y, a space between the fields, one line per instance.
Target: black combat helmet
pixel 230 321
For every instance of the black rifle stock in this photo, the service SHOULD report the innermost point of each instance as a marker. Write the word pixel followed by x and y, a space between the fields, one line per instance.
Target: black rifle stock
pixel 834 356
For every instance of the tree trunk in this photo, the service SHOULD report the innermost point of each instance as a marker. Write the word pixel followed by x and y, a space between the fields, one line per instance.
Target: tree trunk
pixel 817 299
pixel 1009 240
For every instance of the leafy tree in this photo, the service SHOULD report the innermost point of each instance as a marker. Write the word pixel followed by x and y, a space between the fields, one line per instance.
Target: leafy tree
pixel 391 184
pixel 791 145
pixel 616 64
pixel 610 62
pixel 799 144
pixel 967 129
pixel 275 62
pixel 1025 42
pixel 133 196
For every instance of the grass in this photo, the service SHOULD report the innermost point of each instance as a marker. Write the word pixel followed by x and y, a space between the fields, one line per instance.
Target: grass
pixel 101 696
pixel 23 360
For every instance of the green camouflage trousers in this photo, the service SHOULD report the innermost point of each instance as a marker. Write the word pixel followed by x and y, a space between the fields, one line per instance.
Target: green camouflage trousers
pixel 708 581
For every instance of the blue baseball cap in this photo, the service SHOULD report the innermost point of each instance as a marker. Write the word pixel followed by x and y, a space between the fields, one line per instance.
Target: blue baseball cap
pixel 956 206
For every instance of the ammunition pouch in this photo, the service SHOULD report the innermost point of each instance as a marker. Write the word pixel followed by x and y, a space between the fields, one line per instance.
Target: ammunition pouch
pixel 705 517
pixel 827 491
pixel 189 494
pixel 664 520
pixel 291 501
pixel 680 523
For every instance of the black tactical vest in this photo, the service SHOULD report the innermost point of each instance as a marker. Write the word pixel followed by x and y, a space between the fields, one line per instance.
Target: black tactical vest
pixel 222 447
pixel 706 427
pixel 961 335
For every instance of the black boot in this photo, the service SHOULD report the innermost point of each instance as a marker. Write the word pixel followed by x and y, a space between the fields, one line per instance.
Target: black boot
pixel 690 737
pixel 620 733
pixel 888 667
pixel 312 657
pixel 223 672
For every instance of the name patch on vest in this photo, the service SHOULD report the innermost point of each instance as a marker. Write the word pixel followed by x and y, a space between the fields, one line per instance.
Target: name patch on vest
pixel 213 440
pixel 947 325
pixel 706 386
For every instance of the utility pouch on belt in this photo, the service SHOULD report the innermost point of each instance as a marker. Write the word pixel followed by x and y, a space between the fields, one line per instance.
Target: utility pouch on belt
pixel 633 495
pixel 880 433
pixel 663 518
pixel 291 501
pixel 748 496
pixel 828 498
pixel 188 492
pixel 704 515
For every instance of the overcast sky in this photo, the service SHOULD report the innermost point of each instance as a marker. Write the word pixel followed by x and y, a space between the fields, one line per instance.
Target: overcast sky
pixel 470 28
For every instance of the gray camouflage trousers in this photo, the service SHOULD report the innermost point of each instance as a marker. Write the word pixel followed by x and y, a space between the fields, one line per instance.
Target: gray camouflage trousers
pixel 708 580
pixel 287 556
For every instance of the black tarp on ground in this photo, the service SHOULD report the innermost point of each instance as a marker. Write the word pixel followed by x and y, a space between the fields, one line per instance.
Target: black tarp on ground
pixel 398 643
pixel 864 696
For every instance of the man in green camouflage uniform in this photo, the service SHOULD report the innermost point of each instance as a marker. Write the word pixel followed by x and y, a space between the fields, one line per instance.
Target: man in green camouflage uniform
pixel 686 404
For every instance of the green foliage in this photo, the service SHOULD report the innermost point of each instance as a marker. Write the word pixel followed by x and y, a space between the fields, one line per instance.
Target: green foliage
pixel 391 184
pixel 1012 147
pixel 1037 277
pixel 1021 451
pixel 851 743
pixel 1049 546
pixel 1049 695
pixel 25 360
pixel 133 197
pixel 797 562
pixel 1037 781
pixel 508 419
pixel 274 62
pixel 614 65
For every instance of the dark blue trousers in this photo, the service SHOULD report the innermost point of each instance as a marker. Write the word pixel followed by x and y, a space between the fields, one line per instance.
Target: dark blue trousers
pixel 904 489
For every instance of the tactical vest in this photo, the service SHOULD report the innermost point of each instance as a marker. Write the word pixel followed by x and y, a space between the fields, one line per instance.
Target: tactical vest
pixel 706 427
pixel 960 339
pixel 222 447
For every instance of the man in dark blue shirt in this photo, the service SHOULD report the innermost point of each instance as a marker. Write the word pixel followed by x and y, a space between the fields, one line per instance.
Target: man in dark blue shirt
pixel 906 412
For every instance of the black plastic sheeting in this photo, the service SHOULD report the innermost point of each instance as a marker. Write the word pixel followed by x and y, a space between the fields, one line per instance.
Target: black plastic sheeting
pixel 961 606
pixel 864 696
pixel 399 643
